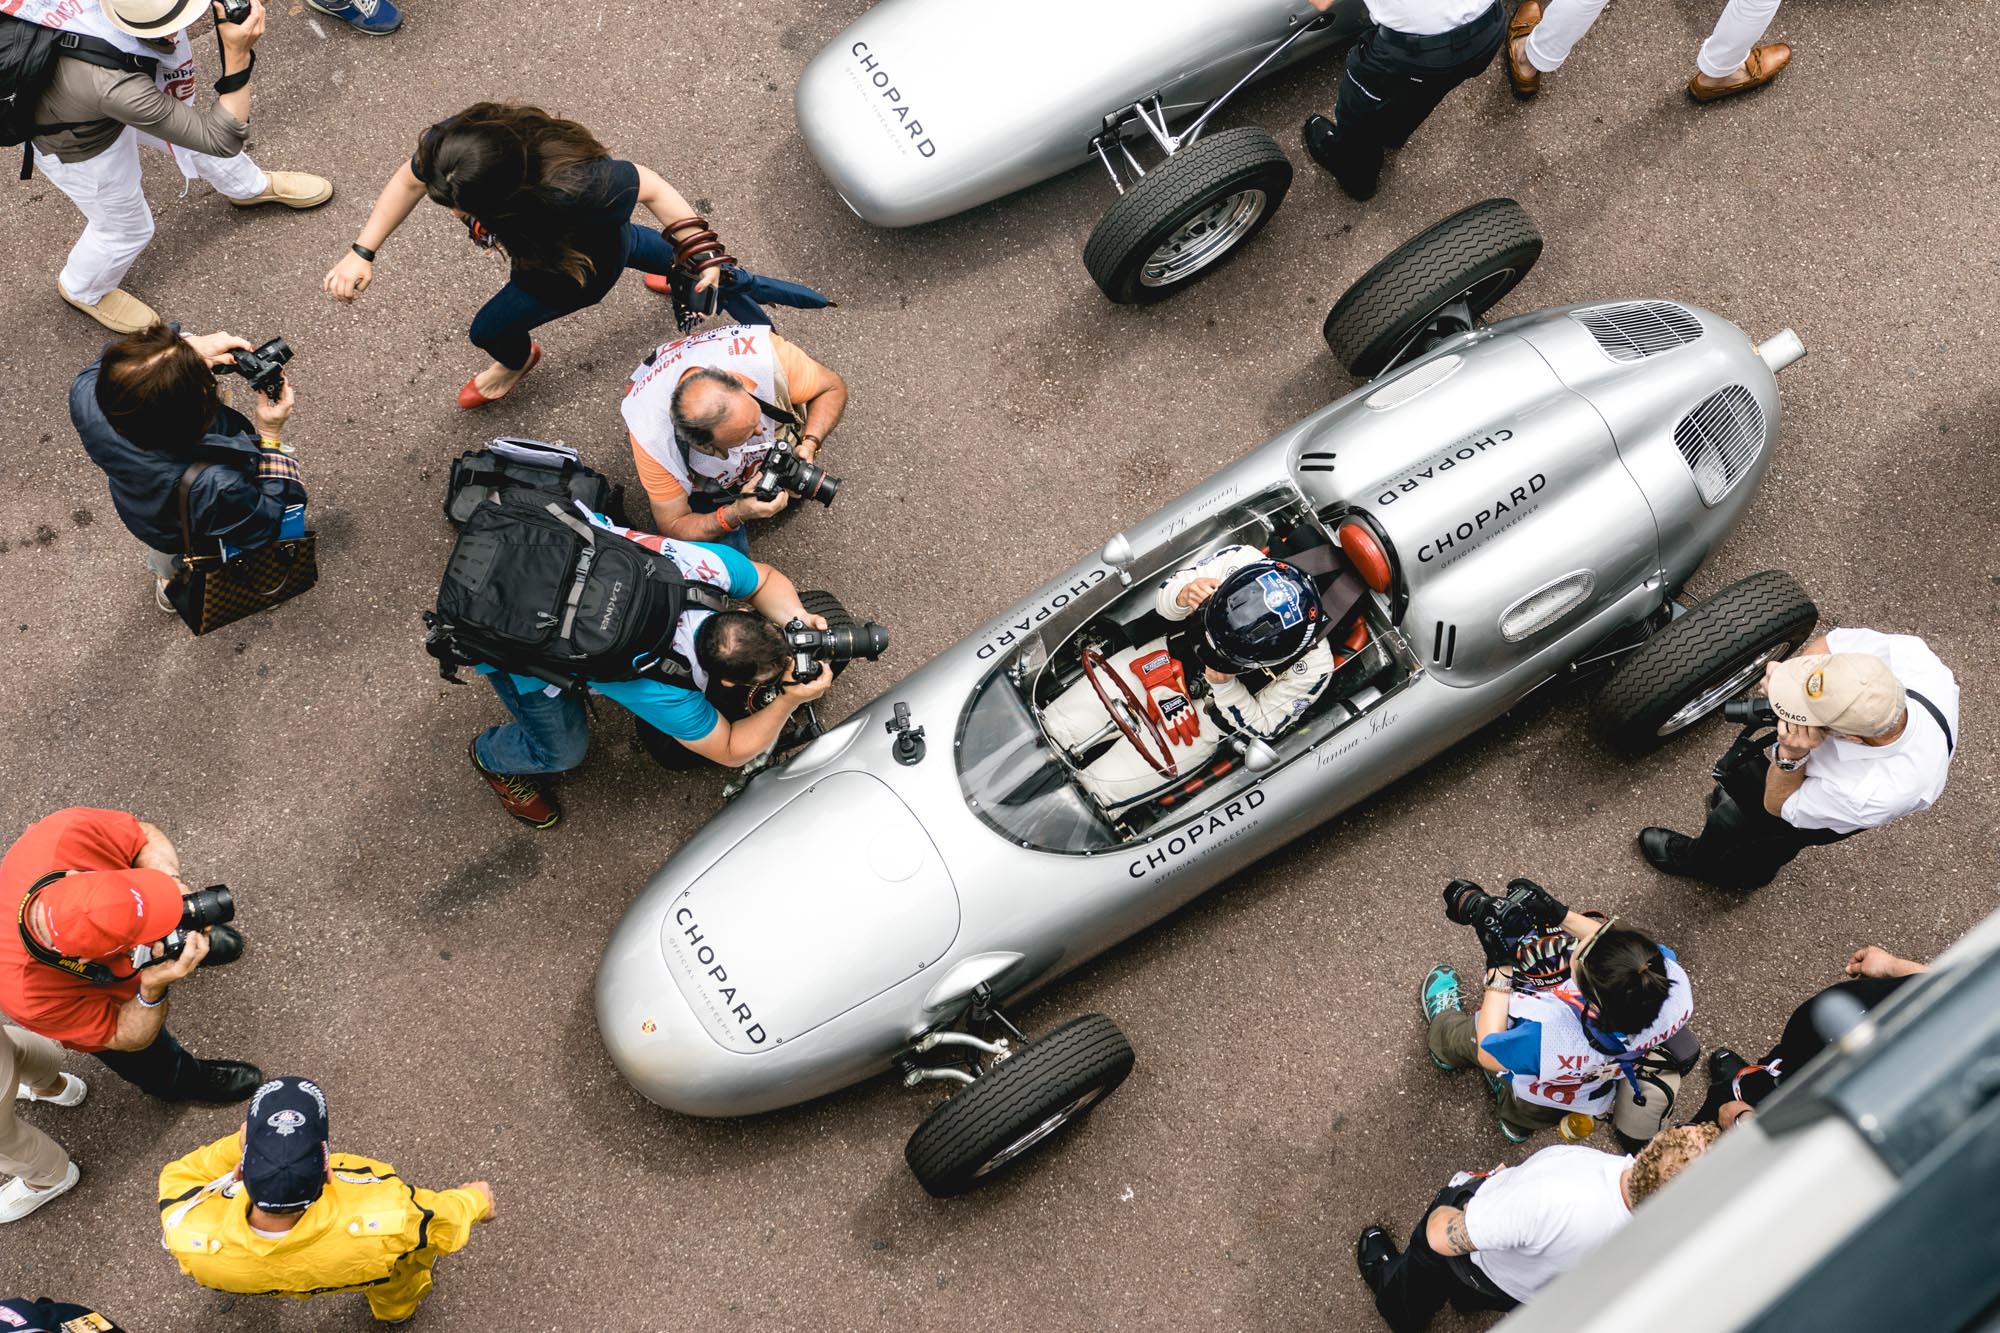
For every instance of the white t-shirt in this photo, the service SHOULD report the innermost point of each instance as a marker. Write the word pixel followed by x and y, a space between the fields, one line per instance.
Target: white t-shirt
pixel 1425 18
pixel 1534 1222
pixel 1851 787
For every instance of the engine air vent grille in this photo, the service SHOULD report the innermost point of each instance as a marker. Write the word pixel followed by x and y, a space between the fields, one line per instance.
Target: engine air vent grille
pixel 1720 439
pixel 1444 644
pixel 1639 329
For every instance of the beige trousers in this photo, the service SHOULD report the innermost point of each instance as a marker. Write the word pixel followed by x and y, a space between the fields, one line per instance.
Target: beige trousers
pixel 24 1150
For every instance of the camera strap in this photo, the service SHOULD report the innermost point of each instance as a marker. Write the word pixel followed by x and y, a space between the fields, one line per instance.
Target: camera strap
pixel 97 973
pixel 783 416
pixel 1937 716
pixel 182 490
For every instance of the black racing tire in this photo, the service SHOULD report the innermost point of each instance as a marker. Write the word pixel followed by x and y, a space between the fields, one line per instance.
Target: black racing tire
pixel 1200 179
pixel 1480 252
pixel 1045 1086
pixel 1680 675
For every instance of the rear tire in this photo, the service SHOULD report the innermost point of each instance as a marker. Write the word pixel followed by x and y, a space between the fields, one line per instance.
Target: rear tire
pixel 1479 252
pixel 1045 1086
pixel 1188 215
pixel 1712 654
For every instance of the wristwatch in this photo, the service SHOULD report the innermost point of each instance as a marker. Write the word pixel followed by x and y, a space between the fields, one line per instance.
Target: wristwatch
pixel 1785 765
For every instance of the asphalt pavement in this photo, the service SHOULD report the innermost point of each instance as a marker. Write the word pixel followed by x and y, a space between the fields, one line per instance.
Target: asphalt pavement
pixel 430 962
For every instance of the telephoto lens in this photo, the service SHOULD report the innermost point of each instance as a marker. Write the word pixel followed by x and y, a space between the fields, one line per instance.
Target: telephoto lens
pixel 1755 711
pixel 212 906
pixel 865 639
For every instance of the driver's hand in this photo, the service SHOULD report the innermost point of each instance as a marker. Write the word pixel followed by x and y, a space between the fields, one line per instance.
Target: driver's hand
pixel 192 952
pixel 1795 741
pixel 214 348
pixel 1196 592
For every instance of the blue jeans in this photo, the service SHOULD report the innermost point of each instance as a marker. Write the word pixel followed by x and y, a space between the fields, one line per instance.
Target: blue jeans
pixel 550 733
pixel 501 327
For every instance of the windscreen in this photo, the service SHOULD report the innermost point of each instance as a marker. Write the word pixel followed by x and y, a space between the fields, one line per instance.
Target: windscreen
pixel 1013 781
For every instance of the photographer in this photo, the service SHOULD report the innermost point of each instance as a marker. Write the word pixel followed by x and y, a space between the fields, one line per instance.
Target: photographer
pixel 20 1315
pixel 72 970
pixel 698 416
pixel 149 409
pixel 131 78
pixel 1577 1015
pixel 722 650
pixel 1866 725
pixel 1493 1239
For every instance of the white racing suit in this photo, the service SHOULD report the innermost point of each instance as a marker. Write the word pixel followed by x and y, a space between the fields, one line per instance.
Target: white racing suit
pixel 1122 776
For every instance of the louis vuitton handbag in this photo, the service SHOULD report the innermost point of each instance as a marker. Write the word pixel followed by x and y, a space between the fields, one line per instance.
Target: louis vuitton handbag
pixel 210 591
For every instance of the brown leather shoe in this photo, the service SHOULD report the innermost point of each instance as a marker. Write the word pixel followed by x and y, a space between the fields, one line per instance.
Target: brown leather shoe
pixel 1765 63
pixel 1527 80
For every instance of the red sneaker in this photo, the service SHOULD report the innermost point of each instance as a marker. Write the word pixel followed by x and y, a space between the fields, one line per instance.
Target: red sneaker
pixel 523 796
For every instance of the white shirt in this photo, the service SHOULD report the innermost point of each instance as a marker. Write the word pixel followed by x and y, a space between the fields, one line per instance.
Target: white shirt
pixel 1851 787
pixel 1534 1222
pixel 1426 18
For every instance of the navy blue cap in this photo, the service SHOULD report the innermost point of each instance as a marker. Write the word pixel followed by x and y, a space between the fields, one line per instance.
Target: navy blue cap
pixel 284 1144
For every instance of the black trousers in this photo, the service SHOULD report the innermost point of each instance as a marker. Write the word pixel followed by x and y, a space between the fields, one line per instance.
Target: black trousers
pixel 1420 1281
pixel 1394 80
pixel 162 1070
pixel 1743 845
pixel 1802 1040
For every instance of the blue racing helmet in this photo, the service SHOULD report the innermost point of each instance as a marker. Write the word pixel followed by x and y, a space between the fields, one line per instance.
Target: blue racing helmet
pixel 1263 615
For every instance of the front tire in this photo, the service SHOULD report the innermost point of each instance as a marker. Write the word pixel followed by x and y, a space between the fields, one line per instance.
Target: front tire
pixel 1709 656
pixel 989 1124
pixel 1187 215
pixel 1478 253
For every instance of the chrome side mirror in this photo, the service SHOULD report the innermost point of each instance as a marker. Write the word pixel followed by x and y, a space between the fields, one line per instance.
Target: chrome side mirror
pixel 1258 756
pixel 1118 554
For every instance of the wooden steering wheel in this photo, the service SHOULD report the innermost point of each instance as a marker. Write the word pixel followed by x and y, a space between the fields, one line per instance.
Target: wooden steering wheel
pixel 1123 710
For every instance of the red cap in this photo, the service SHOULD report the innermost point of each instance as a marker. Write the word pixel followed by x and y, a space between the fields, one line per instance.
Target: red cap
pixel 100 913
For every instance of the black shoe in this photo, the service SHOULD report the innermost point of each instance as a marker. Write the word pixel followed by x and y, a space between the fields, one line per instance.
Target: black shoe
pixel 225 946
pixel 1373 1253
pixel 221 1082
pixel 1666 851
pixel 1358 178
pixel 1724 1065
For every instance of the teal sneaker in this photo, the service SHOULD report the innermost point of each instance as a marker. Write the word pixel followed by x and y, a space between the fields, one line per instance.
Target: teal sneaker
pixel 1441 992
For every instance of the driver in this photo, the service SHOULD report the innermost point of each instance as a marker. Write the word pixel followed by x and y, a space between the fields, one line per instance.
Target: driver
pixel 1252 665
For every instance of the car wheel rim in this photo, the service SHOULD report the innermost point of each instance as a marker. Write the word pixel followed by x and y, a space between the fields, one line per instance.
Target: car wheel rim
pixel 1039 1132
pixel 1203 239
pixel 1715 696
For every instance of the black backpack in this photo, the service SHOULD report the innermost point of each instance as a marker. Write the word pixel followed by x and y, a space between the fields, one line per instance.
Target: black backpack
pixel 28 56
pixel 536 589
pixel 534 464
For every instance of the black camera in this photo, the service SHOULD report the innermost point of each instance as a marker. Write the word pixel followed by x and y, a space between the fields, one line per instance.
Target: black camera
pixel 264 367
pixel 1509 920
pixel 1756 711
pixel 235 11
pixel 212 906
pixel 785 470
pixel 811 647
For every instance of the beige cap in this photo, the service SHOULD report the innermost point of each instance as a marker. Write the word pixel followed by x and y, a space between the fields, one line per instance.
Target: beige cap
pixel 1852 693
pixel 153 18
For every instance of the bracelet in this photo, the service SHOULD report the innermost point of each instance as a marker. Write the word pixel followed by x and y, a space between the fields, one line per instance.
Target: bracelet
pixel 722 519
pixel 362 250
pixel 145 1003
pixel 230 83
pixel 816 439
pixel 271 444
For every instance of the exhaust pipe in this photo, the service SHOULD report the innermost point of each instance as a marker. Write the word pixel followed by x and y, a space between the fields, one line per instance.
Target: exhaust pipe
pixel 1781 349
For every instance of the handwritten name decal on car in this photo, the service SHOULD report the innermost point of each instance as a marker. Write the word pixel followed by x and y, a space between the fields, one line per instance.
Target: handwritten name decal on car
pixel 1189 838
pixel 1451 458
pixel 895 115
pixel 1016 629
pixel 1503 513
pixel 703 954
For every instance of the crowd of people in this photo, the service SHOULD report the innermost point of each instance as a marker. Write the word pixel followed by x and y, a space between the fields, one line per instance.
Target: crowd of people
pixel 1580 1019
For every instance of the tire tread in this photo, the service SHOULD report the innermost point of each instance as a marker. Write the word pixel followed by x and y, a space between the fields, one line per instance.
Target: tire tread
pixel 1236 155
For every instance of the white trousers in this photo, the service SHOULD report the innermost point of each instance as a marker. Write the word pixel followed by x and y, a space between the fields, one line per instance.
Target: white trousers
pixel 1121 775
pixel 1564 22
pixel 118 224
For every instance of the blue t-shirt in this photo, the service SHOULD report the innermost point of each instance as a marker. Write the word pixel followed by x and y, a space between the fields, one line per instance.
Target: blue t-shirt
pixel 682 713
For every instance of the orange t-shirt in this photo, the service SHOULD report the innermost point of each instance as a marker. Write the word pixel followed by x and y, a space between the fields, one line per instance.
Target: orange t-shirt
pixel 805 380
pixel 80 1014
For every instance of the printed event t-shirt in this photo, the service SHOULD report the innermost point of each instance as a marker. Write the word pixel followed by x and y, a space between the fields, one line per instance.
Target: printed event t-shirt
pixel 80 1014
pixel 1533 1222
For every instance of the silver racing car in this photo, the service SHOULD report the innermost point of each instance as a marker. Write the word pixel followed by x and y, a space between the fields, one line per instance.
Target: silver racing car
pixel 925 108
pixel 1500 506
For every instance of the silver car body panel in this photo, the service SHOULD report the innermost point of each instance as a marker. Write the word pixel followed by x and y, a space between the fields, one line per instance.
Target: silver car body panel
pixel 842 968
pixel 924 108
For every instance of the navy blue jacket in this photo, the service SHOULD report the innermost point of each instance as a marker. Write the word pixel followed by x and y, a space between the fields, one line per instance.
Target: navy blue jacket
pixel 228 502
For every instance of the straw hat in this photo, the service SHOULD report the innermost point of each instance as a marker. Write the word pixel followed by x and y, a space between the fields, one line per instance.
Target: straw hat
pixel 153 18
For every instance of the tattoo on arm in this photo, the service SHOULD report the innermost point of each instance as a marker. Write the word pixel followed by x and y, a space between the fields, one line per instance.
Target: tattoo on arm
pixel 1455 1237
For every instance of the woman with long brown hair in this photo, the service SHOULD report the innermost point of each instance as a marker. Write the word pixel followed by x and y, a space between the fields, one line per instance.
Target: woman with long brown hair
pixel 555 202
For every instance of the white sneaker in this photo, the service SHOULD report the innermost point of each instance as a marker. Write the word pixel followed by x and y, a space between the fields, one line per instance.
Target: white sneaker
pixel 17 1200
pixel 74 1090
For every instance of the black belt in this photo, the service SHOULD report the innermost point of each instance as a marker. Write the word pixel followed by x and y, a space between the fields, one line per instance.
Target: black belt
pixel 1436 41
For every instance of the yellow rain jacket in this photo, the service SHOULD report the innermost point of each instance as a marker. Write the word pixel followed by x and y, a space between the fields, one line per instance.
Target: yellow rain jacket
pixel 368 1232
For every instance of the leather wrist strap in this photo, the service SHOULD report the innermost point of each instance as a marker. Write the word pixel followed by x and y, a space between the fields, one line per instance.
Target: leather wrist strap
pixel 230 83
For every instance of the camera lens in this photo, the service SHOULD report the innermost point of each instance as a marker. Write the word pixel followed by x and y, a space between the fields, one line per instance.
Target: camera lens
pixel 812 483
pixel 211 906
pixel 1465 903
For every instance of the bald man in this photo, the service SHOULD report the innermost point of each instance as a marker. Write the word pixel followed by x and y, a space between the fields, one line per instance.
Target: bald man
pixel 705 410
